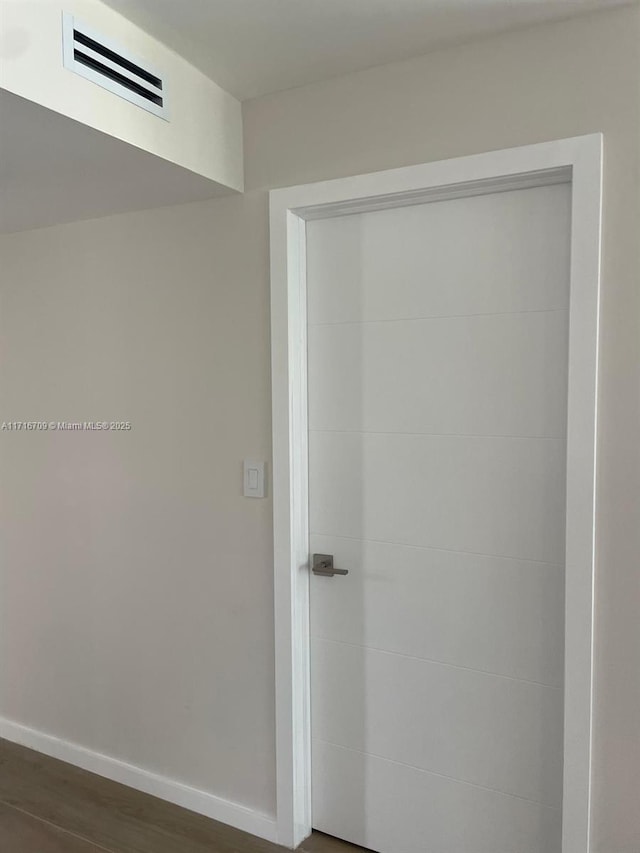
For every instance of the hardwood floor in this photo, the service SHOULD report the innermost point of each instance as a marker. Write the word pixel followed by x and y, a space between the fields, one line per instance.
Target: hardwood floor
pixel 47 806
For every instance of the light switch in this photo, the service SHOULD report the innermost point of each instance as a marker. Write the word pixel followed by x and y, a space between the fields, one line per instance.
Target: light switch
pixel 254 486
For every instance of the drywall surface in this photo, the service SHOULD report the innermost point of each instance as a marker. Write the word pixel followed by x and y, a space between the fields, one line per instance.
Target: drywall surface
pixel 136 580
pixel 204 133
pixel 136 584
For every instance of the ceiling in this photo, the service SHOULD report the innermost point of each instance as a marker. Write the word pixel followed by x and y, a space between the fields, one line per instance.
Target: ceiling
pixel 252 47
pixel 54 170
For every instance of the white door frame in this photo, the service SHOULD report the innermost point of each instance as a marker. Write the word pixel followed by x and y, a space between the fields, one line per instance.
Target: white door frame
pixel 578 160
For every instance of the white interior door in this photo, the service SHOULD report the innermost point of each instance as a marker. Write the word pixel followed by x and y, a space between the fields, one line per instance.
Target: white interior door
pixel 438 348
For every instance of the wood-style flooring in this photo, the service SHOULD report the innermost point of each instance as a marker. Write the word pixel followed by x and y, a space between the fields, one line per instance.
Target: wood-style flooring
pixel 47 806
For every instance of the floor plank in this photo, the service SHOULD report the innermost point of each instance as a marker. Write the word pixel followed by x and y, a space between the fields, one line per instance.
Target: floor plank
pixel 111 815
pixel 320 843
pixel 21 833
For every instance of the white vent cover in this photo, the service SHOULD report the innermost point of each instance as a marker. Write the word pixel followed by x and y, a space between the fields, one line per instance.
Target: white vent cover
pixel 101 60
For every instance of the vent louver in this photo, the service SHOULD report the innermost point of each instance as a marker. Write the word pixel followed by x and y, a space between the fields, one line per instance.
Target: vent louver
pixel 104 62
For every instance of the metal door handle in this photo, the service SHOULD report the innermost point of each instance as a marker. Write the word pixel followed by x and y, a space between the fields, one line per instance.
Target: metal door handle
pixel 322 564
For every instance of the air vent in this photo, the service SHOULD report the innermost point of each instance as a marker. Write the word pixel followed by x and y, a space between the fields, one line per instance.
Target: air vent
pixel 104 62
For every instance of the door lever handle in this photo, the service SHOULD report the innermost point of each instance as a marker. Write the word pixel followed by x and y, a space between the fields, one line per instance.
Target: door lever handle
pixel 322 564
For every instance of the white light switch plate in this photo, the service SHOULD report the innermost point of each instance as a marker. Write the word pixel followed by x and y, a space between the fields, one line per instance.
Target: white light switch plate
pixel 253 479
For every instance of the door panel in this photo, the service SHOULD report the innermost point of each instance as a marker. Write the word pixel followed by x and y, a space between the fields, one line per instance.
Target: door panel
pixel 488 614
pixel 490 254
pixel 486 495
pixel 476 727
pixel 501 374
pixel 437 452
pixel 392 807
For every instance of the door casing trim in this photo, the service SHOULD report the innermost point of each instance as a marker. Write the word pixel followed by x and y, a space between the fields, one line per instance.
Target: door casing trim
pixel 578 160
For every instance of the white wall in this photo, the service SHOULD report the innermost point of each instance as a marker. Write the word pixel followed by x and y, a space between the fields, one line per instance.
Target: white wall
pixel 136 606
pixel 204 133
pixel 138 619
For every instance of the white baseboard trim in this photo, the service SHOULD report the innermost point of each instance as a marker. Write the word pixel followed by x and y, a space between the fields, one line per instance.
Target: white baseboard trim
pixel 193 799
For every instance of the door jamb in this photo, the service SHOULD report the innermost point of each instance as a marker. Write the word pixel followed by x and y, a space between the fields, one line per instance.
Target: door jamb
pixel 578 159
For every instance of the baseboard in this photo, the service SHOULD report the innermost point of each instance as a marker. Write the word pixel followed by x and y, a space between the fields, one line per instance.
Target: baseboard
pixel 193 799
